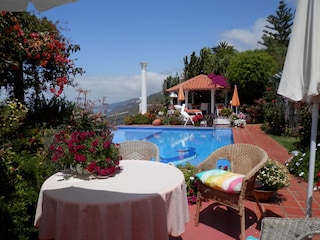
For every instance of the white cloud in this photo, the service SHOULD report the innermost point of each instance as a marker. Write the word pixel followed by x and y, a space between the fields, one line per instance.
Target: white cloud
pixel 115 88
pixel 245 39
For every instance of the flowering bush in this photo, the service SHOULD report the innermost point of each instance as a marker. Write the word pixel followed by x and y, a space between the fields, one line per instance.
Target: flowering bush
pixel 238 120
pixel 13 113
pixel 219 80
pixel 94 151
pixel 189 172
pixel 297 164
pixel 197 119
pixel 273 175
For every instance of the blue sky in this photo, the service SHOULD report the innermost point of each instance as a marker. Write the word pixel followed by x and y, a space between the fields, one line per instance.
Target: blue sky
pixel 115 36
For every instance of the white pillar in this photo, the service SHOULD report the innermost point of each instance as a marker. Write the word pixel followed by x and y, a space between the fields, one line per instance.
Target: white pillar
pixel 213 99
pixel 143 87
pixel 186 98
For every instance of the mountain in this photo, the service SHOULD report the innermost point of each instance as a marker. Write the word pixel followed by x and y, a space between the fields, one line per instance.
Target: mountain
pixel 116 112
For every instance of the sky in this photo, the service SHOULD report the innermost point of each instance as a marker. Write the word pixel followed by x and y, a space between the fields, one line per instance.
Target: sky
pixel 116 36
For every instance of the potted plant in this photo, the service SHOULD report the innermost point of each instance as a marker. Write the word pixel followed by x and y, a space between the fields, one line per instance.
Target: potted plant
pixel 86 152
pixel 272 177
pixel 226 112
pixel 238 120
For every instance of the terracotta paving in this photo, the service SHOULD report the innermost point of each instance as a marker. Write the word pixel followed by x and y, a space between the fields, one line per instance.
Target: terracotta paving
pixel 218 223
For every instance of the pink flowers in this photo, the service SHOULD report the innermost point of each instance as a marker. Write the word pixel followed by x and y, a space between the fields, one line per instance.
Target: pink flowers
pixel 218 79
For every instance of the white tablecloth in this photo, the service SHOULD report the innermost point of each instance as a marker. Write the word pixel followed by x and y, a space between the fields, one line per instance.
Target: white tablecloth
pixel 147 200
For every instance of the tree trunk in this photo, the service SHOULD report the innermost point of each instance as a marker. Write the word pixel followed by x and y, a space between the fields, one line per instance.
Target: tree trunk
pixel 18 85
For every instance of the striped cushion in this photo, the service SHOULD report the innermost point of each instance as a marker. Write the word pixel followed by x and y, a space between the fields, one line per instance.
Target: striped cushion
pixel 221 180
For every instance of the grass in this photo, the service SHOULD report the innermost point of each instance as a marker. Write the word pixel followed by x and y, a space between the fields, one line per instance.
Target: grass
pixel 286 142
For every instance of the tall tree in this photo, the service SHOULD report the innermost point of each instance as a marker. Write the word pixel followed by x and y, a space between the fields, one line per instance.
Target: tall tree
pixel 251 71
pixel 221 57
pixel 34 57
pixel 277 33
pixel 192 66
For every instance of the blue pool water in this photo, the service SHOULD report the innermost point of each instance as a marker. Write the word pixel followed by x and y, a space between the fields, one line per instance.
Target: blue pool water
pixel 178 145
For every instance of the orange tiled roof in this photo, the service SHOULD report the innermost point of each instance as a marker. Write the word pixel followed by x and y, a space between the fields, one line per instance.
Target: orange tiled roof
pixel 200 82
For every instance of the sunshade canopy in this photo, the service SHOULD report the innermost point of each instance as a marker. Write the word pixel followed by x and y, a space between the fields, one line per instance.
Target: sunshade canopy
pixel 235 97
pixel 300 80
pixel 21 5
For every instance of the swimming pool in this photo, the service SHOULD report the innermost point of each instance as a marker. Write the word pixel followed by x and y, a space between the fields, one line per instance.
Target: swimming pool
pixel 178 145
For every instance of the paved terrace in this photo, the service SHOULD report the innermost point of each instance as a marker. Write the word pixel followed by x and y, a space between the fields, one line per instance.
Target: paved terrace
pixel 217 223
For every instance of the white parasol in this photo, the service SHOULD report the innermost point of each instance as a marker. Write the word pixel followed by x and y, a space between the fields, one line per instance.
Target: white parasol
pixel 21 5
pixel 301 74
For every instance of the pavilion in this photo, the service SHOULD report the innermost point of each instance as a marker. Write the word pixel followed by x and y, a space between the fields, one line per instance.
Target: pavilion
pixel 198 83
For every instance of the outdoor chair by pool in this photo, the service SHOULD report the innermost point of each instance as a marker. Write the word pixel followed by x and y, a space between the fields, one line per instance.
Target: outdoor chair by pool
pixel 275 228
pixel 139 150
pixel 219 107
pixel 187 118
pixel 242 162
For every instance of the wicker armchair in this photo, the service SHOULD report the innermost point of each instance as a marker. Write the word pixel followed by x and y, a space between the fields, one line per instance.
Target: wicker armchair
pixel 138 149
pixel 289 228
pixel 244 159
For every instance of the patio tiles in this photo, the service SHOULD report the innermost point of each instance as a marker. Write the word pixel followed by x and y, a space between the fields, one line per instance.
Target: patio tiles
pixel 218 223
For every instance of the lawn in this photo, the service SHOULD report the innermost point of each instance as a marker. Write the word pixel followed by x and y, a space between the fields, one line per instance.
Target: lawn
pixel 286 142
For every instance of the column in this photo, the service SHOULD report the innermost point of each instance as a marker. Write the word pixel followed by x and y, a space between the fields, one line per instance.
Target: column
pixel 143 87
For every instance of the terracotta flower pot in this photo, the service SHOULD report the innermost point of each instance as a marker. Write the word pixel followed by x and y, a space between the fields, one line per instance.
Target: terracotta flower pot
pixel 156 122
pixel 264 195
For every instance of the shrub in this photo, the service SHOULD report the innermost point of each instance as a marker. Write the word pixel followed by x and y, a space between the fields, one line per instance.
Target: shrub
pixel 189 172
pixel 146 118
pixel 226 112
pixel 298 164
pixel 128 120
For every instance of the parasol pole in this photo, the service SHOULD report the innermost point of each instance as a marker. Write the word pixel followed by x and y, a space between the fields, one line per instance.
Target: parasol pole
pixel 313 142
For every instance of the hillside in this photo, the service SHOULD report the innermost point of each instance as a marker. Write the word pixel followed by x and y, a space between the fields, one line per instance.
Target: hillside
pixel 117 111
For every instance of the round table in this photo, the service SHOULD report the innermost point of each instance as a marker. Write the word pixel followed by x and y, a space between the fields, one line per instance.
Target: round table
pixel 146 200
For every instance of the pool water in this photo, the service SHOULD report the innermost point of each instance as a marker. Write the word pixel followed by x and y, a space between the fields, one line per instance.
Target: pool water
pixel 178 145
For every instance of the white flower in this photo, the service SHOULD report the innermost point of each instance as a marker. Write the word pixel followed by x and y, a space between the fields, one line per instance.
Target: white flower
pixel 191 178
pixel 295 153
pixel 297 164
pixel 301 174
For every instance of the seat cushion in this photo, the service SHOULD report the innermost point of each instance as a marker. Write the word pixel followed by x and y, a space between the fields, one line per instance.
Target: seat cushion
pixel 221 180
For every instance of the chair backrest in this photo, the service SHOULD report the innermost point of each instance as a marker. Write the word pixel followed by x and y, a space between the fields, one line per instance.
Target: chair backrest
pixel 183 107
pixel 139 150
pixel 245 159
pixel 219 106
pixel 289 228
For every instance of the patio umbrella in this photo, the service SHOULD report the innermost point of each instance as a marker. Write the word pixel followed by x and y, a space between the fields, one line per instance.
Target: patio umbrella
pixel 21 5
pixel 300 80
pixel 235 102
pixel 181 94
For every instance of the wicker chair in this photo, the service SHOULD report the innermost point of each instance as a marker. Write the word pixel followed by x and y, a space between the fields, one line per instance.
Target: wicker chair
pixel 289 228
pixel 138 149
pixel 244 159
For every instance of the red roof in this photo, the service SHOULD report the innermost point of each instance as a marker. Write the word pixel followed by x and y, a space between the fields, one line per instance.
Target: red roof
pixel 200 82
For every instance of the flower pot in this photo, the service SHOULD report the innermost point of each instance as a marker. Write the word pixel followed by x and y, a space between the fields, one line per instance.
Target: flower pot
pixel 264 195
pixel 156 122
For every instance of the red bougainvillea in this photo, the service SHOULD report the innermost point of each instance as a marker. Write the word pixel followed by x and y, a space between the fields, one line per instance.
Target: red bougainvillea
pixel 37 48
